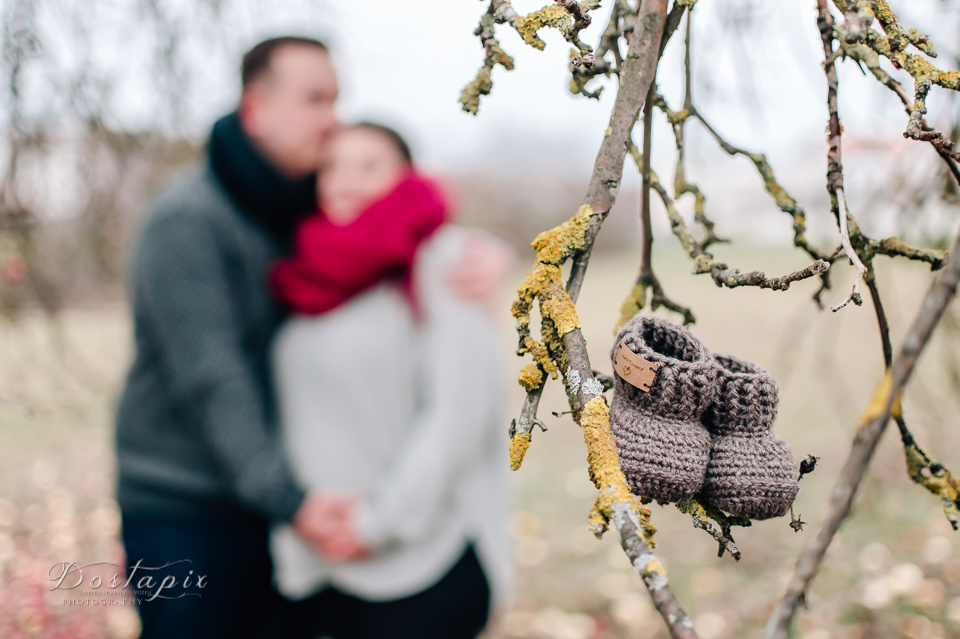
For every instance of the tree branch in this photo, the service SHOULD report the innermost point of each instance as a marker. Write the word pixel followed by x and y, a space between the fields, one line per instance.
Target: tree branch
pixel 884 404
pixel 921 468
pixel 574 240
pixel 704 262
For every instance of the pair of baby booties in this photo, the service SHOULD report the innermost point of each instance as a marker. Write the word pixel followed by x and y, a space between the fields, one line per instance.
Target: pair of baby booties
pixel 703 428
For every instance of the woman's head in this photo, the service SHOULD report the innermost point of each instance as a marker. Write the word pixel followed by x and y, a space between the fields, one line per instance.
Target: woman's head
pixel 364 162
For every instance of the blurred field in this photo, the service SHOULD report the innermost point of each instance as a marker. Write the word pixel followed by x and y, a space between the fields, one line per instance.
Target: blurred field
pixel 894 571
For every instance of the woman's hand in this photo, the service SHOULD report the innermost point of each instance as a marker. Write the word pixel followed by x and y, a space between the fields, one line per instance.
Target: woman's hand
pixel 342 542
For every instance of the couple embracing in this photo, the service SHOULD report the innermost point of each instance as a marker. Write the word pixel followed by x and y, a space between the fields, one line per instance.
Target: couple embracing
pixel 311 418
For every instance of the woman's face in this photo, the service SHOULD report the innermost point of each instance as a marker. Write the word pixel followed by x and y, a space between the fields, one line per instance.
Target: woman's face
pixel 361 167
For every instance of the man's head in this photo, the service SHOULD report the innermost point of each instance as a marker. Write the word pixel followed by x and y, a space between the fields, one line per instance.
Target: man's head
pixel 287 105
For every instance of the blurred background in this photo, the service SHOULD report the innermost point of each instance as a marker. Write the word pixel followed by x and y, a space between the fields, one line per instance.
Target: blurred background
pixel 102 102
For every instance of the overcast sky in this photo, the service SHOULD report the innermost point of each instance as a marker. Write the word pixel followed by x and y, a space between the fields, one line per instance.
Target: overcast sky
pixel 757 78
pixel 760 82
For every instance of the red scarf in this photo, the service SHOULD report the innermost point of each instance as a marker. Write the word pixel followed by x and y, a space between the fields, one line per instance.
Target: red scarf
pixel 333 263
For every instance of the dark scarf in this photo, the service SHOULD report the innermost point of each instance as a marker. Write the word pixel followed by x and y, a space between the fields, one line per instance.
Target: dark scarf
pixel 274 200
pixel 332 263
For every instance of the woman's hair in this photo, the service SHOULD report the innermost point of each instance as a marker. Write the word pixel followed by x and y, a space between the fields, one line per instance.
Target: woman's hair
pixel 395 138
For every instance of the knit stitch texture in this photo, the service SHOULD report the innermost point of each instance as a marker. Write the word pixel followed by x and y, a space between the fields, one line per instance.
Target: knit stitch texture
pixel 663 447
pixel 751 472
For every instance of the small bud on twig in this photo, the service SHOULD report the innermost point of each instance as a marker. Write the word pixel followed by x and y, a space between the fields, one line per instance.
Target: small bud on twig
pixel 808 465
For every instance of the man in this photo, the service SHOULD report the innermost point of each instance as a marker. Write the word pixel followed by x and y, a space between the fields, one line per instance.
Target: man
pixel 200 469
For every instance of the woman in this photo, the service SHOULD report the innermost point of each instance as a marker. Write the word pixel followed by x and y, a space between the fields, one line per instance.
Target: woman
pixel 388 393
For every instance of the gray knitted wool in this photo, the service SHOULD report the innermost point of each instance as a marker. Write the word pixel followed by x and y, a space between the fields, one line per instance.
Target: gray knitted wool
pixel 663 447
pixel 751 472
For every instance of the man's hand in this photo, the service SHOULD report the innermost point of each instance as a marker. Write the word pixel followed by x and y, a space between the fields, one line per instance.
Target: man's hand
pixel 343 544
pixel 327 522
pixel 485 262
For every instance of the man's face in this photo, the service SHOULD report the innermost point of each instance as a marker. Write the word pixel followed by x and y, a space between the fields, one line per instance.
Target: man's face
pixel 288 112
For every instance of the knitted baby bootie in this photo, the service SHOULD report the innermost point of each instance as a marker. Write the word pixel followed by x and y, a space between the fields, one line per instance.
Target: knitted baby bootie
pixel 665 379
pixel 751 472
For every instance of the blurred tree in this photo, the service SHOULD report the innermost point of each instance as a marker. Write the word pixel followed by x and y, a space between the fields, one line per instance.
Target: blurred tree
pixel 99 101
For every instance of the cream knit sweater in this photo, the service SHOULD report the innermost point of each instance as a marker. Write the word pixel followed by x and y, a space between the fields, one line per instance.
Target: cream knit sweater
pixel 405 415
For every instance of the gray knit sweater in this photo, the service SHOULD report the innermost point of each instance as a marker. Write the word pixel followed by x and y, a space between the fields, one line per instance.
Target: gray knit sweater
pixel 195 425
pixel 405 415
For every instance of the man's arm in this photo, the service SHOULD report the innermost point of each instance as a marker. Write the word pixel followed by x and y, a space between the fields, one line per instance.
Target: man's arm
pixel 181 285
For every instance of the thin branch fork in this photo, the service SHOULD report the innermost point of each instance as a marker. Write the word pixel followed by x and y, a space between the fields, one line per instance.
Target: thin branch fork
pixel 894 48
pixel 834 163
pixel 781 197
pixel 842 215
pixel 865 55
pixel 884 404
pixel 704 262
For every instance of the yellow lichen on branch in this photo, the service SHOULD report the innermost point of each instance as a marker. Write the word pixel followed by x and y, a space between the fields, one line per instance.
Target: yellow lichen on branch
pixel 604 465
pixel 653 569
pixel 634 303
pixel 481 85
pixel 555 303
pixel 540 355
pixel 894 246
pixel 919 68
pixel 558 314
pixel 554 16
pixel 531 377
pixel 518 448
pixel 878 402
pixel 545 285
pixel 501 57
pixel 556 245
pixel 549 16
pixel 937 479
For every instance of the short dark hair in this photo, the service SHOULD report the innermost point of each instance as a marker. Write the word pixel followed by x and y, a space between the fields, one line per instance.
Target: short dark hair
pixel 256 61
pixel 395 138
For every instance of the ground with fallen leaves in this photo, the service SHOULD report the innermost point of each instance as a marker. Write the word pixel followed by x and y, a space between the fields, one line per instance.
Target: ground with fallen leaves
pixel 894 570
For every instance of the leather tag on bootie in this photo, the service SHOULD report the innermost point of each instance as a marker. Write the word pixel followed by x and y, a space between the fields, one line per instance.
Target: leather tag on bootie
pixel 635 370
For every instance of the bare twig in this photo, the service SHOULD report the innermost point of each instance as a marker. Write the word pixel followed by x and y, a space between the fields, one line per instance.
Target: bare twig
pixel 498 12
pixel 834 162
pixel 704 262
pixel 702 515
pixel 842 215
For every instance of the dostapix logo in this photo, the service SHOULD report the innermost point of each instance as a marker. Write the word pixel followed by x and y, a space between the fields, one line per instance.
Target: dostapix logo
pixel 172 580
